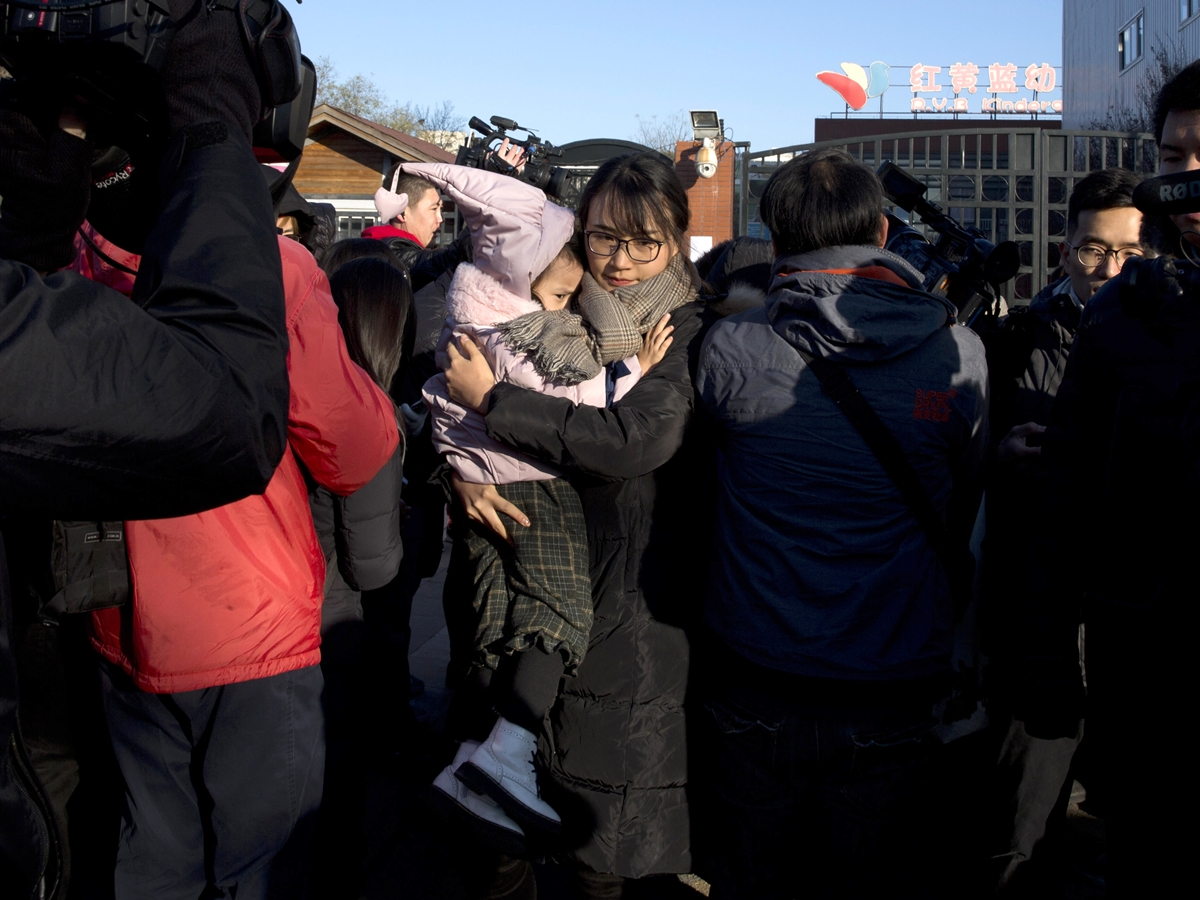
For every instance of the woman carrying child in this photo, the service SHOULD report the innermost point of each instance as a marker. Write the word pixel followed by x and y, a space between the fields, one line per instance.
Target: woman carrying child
pixel 616 750
pixel 532 599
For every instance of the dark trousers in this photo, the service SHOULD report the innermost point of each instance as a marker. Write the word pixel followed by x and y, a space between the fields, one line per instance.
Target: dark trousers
pixel 337 861
pixel 387 612
pixel 63 723
pixel 222 786
pixel 1138 666
pixel 817 806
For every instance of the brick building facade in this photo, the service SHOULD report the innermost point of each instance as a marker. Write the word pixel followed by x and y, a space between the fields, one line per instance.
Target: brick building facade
pixel 712 200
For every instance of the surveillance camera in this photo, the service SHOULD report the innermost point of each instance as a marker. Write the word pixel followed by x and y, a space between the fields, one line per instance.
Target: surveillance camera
pixel 706 159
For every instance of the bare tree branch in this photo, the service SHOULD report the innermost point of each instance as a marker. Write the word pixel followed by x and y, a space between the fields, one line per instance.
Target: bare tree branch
pixel 1167 61
pixel 360 96
pixel 441 125
pixel 662 135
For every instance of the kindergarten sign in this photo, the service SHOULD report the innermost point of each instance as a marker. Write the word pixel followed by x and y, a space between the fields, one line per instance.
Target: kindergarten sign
pixel 952 89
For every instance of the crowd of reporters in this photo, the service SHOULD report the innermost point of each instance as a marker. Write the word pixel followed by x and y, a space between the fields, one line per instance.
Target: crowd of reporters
pixel 777 517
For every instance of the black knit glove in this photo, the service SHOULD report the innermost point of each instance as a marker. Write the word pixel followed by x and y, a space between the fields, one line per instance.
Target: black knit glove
pixel 207 76
pixel 44 189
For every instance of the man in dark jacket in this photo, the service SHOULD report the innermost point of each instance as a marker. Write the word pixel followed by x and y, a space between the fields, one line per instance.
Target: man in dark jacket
pixel 410 230
pixel 1126 534
pixel 114 409
pixel 1034 671
pixel 830 604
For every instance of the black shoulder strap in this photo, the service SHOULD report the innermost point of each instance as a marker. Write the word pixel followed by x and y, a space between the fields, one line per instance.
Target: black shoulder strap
pixel 836 384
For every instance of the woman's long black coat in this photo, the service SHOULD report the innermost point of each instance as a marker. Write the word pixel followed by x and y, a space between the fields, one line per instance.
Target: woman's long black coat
pixel 617 744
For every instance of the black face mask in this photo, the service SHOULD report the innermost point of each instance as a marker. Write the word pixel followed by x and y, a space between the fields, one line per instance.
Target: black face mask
pixel 123 198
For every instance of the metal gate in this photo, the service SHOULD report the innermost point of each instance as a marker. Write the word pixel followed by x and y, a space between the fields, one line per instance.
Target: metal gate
pixel 1010 183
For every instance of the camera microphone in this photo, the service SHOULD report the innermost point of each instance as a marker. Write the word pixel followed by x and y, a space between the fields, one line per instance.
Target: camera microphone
pixel 1169 195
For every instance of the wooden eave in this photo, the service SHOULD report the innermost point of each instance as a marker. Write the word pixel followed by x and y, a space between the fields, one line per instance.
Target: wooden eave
pixel 402 146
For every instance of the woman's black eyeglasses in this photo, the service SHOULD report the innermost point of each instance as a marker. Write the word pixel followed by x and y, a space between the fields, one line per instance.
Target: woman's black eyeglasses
pixel 639 250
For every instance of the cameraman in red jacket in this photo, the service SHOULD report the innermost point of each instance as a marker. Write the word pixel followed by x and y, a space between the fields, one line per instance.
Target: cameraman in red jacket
pixel 211 682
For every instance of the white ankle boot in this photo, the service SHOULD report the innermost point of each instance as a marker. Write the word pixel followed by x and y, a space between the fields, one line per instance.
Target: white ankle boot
pixel 502 768
pixel 490 823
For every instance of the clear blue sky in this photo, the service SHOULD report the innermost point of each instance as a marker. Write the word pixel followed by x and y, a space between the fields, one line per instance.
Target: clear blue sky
pixel 583 70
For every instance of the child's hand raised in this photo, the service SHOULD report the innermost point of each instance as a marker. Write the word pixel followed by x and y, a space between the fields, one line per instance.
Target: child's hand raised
pixel 654 348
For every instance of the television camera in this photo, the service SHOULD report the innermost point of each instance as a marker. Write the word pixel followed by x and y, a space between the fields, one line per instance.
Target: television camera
pixel 106 56
pixel 479 153
pixel 962 265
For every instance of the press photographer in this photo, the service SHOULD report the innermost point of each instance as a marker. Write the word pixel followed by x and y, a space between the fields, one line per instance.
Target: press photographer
pixel 1121 468
pixel 178 400
pixel 1034 681
pixel 850 424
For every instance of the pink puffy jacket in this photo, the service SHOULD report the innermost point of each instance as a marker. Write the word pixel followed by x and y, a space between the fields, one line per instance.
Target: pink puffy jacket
pixel 475 305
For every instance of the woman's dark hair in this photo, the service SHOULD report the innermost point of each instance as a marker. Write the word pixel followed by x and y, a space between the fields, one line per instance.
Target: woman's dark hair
pixel 821 199
pixel 342 252
pixel 320 237
pixel 643 196
pixel 375 309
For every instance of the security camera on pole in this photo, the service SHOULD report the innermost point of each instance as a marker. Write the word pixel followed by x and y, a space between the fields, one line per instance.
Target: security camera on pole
pixel 707 126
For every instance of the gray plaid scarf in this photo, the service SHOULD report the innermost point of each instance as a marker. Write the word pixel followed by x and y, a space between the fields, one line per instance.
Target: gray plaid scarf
pixel 568 347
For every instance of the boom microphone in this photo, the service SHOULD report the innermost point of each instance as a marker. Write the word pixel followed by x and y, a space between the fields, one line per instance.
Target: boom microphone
pixel 1169 195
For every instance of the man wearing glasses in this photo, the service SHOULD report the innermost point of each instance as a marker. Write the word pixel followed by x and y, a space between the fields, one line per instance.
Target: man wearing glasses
pixel 1034 670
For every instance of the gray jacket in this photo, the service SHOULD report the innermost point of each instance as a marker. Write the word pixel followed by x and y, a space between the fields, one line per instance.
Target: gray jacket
pixel 820 567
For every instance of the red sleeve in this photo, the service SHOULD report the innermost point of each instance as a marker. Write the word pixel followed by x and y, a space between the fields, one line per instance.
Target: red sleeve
pixel 339 422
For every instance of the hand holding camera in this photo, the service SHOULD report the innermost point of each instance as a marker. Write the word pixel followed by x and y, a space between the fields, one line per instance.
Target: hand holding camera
pixel 208 76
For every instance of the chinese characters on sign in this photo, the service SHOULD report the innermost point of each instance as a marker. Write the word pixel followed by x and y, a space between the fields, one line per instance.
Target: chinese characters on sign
pixel 964 80
pixel 856 84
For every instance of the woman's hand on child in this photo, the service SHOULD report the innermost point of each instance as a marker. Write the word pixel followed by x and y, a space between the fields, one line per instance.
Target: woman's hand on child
pixel 469 378
pixel 658 340
pixel 483 504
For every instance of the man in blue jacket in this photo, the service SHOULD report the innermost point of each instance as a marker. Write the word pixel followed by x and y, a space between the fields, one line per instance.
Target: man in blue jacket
pixel 831 607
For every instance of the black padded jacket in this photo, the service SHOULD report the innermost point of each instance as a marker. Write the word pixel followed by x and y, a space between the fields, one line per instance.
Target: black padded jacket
pixel 1030 638
pixel 1116 452
pixel 617 748
pixel 360 537
pixel 167 405
pixel 170 404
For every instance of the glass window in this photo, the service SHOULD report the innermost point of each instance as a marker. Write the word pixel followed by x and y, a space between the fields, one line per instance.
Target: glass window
pixel 1129 43
pixel 1187 9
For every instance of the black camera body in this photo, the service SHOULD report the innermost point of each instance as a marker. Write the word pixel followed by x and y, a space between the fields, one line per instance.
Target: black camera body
pixel 478 153
pixel 1160 289
pixel 963 266
pixel 1152 289
pixel 110 53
